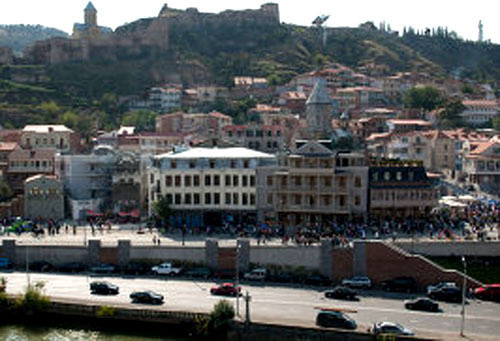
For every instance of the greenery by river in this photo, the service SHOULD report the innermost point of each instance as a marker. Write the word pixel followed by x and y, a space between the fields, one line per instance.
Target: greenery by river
pixel 39 333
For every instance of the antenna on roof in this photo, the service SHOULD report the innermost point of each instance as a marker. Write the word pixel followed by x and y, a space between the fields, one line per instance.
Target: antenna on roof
pixel 320 23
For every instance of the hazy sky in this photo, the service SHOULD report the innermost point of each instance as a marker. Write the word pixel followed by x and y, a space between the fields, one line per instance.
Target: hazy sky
pixel 460 16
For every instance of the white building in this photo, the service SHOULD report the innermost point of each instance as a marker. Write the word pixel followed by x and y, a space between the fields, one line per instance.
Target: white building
pixel 208 186
pixel 42 136
pixel 479 112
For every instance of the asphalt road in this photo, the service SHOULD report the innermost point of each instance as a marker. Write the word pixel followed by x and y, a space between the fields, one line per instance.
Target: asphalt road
pixel 273 304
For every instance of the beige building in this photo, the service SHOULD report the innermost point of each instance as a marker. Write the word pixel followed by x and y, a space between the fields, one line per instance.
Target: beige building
pixel 43 198
pixel 208 186
pixel 315 185
pixel 482 165
pixel 434 148
pixel 57 137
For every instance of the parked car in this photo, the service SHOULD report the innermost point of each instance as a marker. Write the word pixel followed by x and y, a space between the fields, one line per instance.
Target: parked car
pixel 440 285
pixel 104 288
pixel 226 274
pixel 200 272
pixel 147 296
pixel 423 304
pixel 341 292
pixel 226 289
pixel 332 318
pixel 166 269
pixel 5 263
pixel 403 284
pixel 488 292
pixel 103 268
pixel 391 328
pixel 41 266
pixel 317 279
pixel 362 282
pixel 258 274
pixel 72 267
pixel 283 277
pixel 134 268
pixel 446 294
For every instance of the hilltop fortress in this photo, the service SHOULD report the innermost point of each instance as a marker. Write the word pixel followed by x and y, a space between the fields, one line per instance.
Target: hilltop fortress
pixel 90 41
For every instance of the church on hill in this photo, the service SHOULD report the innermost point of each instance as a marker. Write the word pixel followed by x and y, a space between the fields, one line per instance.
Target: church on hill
pixel 90 29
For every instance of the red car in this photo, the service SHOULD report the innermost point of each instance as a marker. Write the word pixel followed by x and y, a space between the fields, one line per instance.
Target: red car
pixel 490 292
pixel 226 289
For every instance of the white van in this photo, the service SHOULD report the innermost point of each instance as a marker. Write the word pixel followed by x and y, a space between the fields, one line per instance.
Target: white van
pixel 258 274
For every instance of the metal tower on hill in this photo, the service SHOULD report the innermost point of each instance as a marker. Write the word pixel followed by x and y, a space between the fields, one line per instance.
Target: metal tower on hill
pixel 319 22
pixel 481 36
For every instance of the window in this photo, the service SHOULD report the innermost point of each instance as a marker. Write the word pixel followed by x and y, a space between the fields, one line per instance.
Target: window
pixel 177 181
pixel 196 180
pixel 375 176
pixel 269 199
pixel 387 176
pixel 168 181
pixel 342 201
pixel 187 180
pixel 252 180
pixel 216 180
pixel 196 199
pixel 177 199
pixel 208 198
pixel 208 180
pixel 269 180
pixel 151 178
pixel 357 182
pixel 235 199
pixel 244 199
pixel 228 198
pixel 212 164
pixel 399 176
pixel 173 165
pixel 244 181
pixel 297 199
pixel 235 180
pixel 357 200
pixel 245 164
pixel 187 199
pixel 252 199
pixel 192 164
pixel 269 133
pixel 278 132
pixel 411 176
pixel 228 180
pixel 418 151
pixel 169 198
pixel 233 164
pixel 216 198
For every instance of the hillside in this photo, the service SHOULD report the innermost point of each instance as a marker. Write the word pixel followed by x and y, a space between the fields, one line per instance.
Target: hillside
pixel 18 37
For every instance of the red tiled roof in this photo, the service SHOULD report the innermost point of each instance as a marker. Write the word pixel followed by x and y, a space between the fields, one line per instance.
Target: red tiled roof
pixel 7 146
pixel 24 154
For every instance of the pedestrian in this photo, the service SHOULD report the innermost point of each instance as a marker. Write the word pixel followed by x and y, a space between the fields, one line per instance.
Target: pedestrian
pixel 154 240
pixel 159 242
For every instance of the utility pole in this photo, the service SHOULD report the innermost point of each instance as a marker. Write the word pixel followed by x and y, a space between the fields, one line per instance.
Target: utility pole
pixel 237 277
pixel 464 285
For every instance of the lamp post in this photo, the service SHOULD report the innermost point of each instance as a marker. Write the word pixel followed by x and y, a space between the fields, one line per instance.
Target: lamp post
pixel 237 277
pixel 464 285
pixel 28 265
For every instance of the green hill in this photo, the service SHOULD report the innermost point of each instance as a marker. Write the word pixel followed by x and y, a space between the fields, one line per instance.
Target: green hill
pixel 18 37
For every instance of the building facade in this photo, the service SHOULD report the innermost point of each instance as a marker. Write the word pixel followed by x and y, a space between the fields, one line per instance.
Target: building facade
pixel 482 165
pixel 208 186
pixel 24 163
pixel 43 198
pixel 479 112
pixel 315 186
pixel 267 139
pixel 57 137
pixel 400 190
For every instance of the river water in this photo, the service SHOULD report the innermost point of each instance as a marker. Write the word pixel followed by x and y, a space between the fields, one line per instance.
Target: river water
pixel 39 333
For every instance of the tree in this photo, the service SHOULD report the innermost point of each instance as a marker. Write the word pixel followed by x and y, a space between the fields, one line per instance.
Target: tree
pixel 449 115
pixel 496 123
pixel 5 191
pixel 426 98
pixel 161 209
pixel 141 119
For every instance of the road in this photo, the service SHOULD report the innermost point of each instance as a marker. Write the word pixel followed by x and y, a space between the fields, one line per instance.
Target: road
pixel 273 304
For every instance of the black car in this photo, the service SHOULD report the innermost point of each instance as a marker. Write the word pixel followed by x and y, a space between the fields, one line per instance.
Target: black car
pixel 283 277
pixel 423 304
pixel 316 280
pixel 200 272
pixel 335 319
pixel 41 266
pixel 341 292
pixel 134 268
pixel 72 267
pixel 402 284
pixel 104 288
pixel 148 296
pixel 445 294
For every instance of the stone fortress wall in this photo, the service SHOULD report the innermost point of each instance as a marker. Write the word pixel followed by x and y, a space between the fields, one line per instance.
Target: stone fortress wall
pixel 153 32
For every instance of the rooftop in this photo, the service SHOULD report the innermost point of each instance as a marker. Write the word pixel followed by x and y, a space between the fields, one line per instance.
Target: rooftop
pixel 42 128
pixel 216 153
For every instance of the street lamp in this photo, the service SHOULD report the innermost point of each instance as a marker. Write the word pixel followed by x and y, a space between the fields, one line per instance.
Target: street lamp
pixel 238 245
pixel 464 285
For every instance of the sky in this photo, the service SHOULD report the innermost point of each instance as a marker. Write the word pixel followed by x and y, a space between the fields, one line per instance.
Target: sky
pixel 460 16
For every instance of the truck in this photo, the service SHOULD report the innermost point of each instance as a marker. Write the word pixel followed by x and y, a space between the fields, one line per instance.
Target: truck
pixel 166 269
